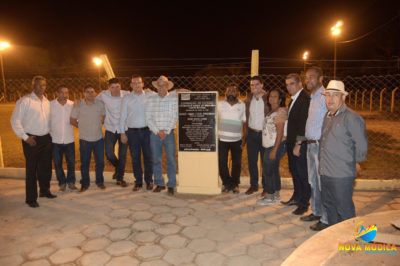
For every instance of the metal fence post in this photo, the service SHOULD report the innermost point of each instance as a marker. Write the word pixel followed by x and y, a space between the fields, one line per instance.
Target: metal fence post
pixel 362 98
pixel 355 100
pixel 370 99
pixel 392 104
pixel 381 99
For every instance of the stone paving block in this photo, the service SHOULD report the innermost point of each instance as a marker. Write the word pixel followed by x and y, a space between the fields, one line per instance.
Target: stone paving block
pixel 123 260
pixel 141 215
pixel 120 223
pixel 182 211
pixel 201 245
pixel 144 237
pixel 150 251
pixel 276 262
pixel 278 219
pixel 119 234
pixel 220 234
pixel 241 261
pixel 155 263
pixel 160 209
pixel 237 226
pixel 164 218
pixel 187 220
pixel 284 253
pixel 97 230
pixel 40 252
pixel 204 214
pixel 94 258
pixel 279 240
pixel 41 262
pixel 179 256
pixel 175 203
pixel 168 229
pixel 120 213
pixel 194 232
pixel 140 206
pixel 299 240
pixel 210 258
pixel 11 260
pixel 263 251
pixel 65 255
pixel 231 248
pixel 145 226
pixel 249 238
pixel 121 248
pixel 212 223
pixel 291 230
pixel 174 241
pixel 251 218
pixel 68 241
pixel 95 244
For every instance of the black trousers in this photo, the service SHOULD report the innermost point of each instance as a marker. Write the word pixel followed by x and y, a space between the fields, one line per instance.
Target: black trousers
pixel 230 180
pixel 38 166
pixel 298 169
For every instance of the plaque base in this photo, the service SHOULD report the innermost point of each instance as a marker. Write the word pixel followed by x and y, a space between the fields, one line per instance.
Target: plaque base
pixel 199 190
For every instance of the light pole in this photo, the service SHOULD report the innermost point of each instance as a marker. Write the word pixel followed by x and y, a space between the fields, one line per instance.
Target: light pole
pixel 3 46
pixel 305 57
pixel 335 30
pixel 97 61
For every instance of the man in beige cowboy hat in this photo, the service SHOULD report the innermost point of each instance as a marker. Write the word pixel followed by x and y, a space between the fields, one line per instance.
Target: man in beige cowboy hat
pixel 161 118
pixel 343 144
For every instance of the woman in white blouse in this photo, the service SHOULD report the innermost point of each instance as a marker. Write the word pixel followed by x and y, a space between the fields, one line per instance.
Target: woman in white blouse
pixel 274 144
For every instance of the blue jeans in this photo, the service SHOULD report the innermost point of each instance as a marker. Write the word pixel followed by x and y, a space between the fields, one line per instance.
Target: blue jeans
pixel 337 198
pixel 272 182
pixel 315 181
pixel 86 148
pixel 298 169
pixel 58 151
pixel 157 147
pixel 119 163
pixel 139 142
pixel 254 148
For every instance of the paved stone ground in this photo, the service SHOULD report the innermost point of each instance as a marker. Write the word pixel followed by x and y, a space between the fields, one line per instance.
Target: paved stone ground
pixel 121 227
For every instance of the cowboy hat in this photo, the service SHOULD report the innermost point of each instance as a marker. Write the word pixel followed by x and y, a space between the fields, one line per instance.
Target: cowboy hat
pixel 162 79
pixel 335 85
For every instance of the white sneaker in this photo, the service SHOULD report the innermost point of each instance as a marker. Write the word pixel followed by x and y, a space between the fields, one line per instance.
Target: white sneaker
pixel 265 202
pixel 277 198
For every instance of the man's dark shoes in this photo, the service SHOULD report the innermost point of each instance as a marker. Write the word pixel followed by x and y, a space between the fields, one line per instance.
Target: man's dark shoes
pixel 309 218
pixel 83 189
pixel 263 194
pixel 159 188
pixel 289 202
pixel 300 210
pixel 137 187
pixel 47 195
pixel 171 191
pixel 319 226
pixel 122 183
pixel 251 190
pixel 72 186
pixel 235 190
pixel 33 204
pixel 224 189
pixel 101 186
pixel 149 186
pixel 115 175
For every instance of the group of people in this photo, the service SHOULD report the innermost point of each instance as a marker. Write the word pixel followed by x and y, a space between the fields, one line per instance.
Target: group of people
pixel 324 141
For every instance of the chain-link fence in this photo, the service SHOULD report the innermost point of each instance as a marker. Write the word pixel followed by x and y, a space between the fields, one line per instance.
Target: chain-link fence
pixel 376 98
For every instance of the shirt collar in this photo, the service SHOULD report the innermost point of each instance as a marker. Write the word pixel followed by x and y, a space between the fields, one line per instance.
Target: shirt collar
pixel 294 97
pixel 318 92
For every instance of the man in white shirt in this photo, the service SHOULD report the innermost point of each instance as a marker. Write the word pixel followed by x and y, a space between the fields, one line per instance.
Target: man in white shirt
pixel 62 134
pixel 231 117
pixel 30 122
pixel 112 99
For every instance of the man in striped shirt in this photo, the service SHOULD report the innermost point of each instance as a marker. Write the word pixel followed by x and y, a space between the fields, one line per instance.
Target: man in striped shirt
pixel 231 116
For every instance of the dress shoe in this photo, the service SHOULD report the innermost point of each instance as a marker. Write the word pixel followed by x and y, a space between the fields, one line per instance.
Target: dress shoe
pixel 33 204
pixel 225 189
pixel 137 187
pixel 47 195
pixel 72 186
pixel 62 187
pixel 319 226
pixel 159 188
pixel 149 186
pixel 83 189
pixel 235 190
pixel 171 191
pixel 290 202
pixel 300 210
pixel 309 218
pixel 251 190
pixel 101 186
pixel 122 183
pixel 263 194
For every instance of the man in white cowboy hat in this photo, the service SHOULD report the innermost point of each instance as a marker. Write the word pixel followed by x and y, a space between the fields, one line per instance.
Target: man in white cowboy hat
pixel 343 144
pixel 161 118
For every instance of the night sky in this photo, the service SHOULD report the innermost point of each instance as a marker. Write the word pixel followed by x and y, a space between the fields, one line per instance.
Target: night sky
pixel 61 37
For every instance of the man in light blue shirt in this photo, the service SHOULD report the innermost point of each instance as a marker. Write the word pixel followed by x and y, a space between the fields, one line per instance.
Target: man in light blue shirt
pixel 316 114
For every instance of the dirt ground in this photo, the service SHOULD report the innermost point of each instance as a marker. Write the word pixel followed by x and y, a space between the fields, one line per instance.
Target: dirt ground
pixel 382 159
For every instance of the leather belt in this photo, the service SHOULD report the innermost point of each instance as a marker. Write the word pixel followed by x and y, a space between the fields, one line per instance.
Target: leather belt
pixel 255 130
pixel 309 141
pixel 137 128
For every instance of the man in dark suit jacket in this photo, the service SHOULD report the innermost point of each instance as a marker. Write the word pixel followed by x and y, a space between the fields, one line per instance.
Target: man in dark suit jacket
pixel 296 143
